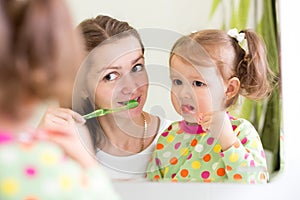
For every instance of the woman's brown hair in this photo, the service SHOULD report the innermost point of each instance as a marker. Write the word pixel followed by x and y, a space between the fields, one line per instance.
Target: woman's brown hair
pixel 101 28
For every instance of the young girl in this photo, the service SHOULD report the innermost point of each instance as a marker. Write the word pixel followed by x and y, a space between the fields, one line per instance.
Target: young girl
pixel 39 53
pixel 209 69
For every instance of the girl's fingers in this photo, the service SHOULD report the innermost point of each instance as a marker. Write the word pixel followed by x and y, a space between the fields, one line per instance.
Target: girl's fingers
pixel 199 117
pixel 206 119
pixel 206 124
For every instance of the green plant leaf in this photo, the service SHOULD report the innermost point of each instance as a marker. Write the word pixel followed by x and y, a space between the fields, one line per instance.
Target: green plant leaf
pixel 214 7
pixel 239 16
pixel 243 12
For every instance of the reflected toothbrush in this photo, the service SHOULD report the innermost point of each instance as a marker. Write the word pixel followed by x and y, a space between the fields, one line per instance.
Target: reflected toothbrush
pixel 100 112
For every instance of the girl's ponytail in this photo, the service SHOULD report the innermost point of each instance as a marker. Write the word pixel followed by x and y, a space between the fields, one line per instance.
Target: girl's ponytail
pixel 253 69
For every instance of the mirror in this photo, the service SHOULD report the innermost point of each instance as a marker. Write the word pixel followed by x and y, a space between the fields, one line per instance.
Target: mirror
pixel 160 23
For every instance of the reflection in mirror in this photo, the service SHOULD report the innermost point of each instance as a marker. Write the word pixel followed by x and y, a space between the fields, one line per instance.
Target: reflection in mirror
pixel 160 31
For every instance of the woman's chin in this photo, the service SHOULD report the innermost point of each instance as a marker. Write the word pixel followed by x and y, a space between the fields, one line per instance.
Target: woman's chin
pixel 130 114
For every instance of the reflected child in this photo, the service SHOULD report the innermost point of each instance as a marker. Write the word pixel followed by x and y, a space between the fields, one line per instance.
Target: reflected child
pixel 209 69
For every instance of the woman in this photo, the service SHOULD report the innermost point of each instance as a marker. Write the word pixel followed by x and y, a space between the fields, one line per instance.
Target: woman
pixel 39 52
pixel 112 74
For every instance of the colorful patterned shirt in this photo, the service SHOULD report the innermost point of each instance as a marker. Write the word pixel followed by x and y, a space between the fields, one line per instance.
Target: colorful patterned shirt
pixel 188 153
pixel 40 170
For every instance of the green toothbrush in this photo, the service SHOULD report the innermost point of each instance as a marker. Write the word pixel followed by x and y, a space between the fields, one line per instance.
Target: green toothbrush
pixel 100 112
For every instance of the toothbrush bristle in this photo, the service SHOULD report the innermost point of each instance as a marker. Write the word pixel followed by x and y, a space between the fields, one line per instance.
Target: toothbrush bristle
pixel 132 104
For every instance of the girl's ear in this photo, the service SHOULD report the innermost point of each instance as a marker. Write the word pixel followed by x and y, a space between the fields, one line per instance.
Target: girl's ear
pixel 233 87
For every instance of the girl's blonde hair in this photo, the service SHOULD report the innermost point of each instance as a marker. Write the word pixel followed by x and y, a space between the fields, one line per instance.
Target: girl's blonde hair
pixel 40 55
pixel 217 48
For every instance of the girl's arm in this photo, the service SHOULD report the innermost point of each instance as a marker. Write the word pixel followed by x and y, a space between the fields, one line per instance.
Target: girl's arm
pixel 242 150
pixel 245 160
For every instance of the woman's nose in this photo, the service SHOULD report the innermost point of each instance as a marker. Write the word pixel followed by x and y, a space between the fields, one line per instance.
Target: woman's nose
pixel 128 84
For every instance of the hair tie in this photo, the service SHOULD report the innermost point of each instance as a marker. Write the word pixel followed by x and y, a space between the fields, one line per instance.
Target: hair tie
pixel 240 38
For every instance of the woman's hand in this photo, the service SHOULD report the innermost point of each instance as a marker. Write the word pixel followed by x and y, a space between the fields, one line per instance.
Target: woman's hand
pixel 66 128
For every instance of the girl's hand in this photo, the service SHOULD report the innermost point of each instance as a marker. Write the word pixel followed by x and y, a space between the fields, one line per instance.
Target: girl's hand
pixel 212 122
pixel 66 128
pixel 219 126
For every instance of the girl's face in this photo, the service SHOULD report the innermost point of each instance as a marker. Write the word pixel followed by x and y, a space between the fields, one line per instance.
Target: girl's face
pixel 191 94
pixel 121 75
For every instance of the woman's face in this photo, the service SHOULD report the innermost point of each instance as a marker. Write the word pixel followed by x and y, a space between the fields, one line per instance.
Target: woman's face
pixel 121 75
pixel 192 91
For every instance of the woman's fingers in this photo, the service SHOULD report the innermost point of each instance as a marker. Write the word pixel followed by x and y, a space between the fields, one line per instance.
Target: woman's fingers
pixel 61 120
pixel 78 118
pixel 66 128
pixel 62 113
pixel 55 120
pixel 62 117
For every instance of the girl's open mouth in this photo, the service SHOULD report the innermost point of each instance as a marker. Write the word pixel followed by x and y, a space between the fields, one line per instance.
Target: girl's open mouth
pixel 188 109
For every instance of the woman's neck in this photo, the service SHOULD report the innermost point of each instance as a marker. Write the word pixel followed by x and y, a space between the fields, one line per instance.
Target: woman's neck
pixel 126 136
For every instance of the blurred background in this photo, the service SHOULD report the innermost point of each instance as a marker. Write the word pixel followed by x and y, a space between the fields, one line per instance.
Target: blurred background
pixel 165 21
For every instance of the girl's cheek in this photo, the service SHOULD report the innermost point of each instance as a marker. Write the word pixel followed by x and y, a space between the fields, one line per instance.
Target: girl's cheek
pixel 204 103
pixel 175 102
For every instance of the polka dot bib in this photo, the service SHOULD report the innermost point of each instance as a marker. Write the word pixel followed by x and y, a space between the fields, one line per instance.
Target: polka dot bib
pixel 188 153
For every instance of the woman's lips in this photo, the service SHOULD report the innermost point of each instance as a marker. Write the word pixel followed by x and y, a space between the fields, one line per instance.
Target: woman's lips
pixel 123 103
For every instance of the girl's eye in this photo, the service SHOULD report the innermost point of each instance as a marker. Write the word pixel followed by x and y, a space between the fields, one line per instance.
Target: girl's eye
pixel 137 68
pixel 198 84
pixel 177 82
pixel 110 77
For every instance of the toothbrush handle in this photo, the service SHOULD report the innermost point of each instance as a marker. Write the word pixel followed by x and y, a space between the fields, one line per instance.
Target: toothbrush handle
pixel 101 112
pixel 96 113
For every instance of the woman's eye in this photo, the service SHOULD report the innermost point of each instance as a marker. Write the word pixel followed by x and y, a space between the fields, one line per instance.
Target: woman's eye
pixel 198 84
pixel 111 76
pixel 177 82
pixel 137 68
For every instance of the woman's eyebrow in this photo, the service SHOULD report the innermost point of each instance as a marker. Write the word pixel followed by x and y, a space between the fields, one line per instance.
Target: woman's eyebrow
pixel 137 59
pixel 109 68
pixel 119 67
pixel 112 67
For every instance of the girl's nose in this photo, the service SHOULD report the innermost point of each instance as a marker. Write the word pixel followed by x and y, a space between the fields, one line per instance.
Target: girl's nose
pixel 185 92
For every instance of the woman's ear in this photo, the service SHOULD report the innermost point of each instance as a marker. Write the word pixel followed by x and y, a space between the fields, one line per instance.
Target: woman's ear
pixel 84 93
pixel 233 87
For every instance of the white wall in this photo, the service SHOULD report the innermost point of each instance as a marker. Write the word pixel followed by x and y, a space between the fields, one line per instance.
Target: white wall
pixel 178 15
pixel 167 19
